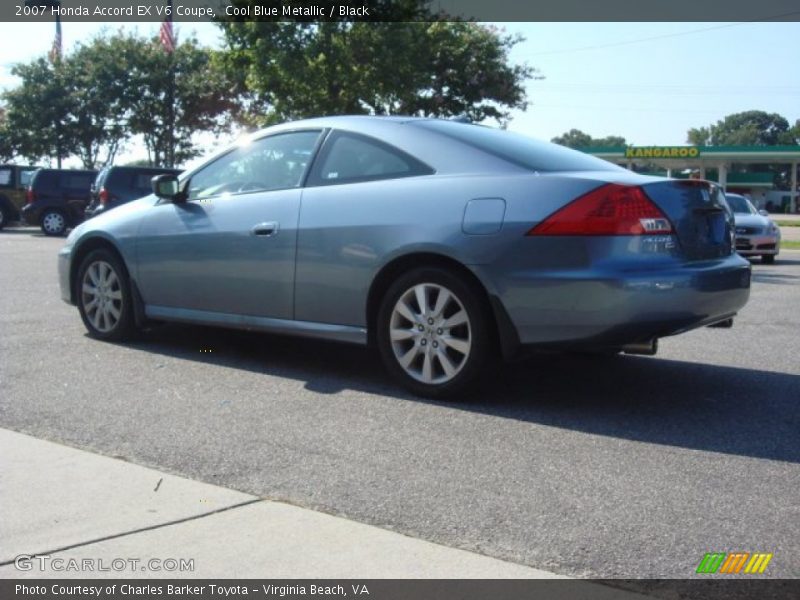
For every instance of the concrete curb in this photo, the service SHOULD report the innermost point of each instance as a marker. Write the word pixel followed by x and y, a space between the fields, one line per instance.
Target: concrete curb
pixel 71 504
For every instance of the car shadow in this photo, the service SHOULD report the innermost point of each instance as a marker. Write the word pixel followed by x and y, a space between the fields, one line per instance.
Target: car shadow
pixel 22 230
pixel 780 261
pixel 774 277
pixel 699 406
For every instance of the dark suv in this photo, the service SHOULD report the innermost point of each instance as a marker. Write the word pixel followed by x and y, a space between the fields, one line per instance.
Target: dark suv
pixel 14 180
pixel 57 199
pixel 118 185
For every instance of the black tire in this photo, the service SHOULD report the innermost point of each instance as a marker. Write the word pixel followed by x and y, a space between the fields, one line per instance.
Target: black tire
pixel 5 216
pixel 478 331
pixel 53 222
pixel 97 325
pixel 768 259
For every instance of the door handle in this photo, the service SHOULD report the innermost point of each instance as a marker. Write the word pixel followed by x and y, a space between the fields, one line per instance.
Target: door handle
pixel 265 229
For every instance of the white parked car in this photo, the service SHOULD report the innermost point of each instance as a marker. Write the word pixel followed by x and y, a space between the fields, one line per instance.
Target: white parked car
pixel 756 233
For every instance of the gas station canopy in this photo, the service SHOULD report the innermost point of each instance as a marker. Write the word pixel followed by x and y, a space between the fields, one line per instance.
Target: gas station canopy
pixel 675 158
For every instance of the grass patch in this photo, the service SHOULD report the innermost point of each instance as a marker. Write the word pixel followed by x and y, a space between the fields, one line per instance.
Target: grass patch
pixel 787 223
pixel 790 244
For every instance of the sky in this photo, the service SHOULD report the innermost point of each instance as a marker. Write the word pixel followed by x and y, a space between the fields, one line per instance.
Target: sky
pixel 648 82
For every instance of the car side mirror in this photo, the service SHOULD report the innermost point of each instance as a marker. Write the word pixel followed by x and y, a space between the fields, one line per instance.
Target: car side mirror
pixel 166 186
pixel 763 213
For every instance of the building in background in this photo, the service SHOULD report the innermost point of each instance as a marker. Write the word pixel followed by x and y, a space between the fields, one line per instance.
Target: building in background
pixel 722 164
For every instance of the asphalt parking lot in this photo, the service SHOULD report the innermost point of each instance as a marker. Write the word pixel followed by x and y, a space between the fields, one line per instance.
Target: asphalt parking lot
pixel 592 467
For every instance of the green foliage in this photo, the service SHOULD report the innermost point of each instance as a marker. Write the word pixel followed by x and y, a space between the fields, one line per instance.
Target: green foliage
pixel 37 113
pixel 794 133
pixel 113 88
pixel 575 138
pixel 289 70
pixel 698 136
pixel 749 128
pixel 201 92
pixel 6 151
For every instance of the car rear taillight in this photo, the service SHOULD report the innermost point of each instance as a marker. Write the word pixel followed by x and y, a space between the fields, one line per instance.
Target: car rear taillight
pixel 104 196
pixel 612 209
pixel 30 196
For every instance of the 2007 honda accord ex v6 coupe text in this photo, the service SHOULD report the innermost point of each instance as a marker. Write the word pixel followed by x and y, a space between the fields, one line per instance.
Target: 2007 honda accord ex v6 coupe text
pixel 444 244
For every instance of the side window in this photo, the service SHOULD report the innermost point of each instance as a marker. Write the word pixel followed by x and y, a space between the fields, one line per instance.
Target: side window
pixel 272 163
pixel 77 182
pixel 6 179
pixel 45 180
pixel 25 177
pixel 351 158
pixel 141 182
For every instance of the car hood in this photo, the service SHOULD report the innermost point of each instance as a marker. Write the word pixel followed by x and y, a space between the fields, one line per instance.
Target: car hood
pixel 743 220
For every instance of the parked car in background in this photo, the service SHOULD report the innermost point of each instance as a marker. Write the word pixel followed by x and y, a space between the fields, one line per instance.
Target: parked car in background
pixel 14 180
pixel 57 199
pixel 756 233
pixel 118 185
pixel 445 245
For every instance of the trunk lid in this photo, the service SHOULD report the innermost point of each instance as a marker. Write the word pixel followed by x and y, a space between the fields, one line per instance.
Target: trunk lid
pixel 702 220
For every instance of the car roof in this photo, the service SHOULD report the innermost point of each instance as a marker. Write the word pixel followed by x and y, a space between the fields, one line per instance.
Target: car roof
pixel 138 168
pixel 67 171
pixel 367 124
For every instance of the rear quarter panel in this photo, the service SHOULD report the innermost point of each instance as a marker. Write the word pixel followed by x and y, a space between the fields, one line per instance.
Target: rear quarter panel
pixel 349 232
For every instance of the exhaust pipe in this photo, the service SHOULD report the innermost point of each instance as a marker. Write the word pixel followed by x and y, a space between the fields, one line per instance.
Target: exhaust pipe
pixel 648 348
pixel 725 324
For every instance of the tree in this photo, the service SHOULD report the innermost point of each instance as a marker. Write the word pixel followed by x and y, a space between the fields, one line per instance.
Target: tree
pixel 794 134
pixel 749 128
pixel 96 76
pixel 37 112
pixel 289 70
pixel 89 103
pixel 6 151
pixel 698 136
pixel 575 138
pixel 203 96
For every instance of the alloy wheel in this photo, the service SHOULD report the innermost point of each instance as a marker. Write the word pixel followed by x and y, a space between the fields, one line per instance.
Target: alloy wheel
pixel 430 333
pixel 101 296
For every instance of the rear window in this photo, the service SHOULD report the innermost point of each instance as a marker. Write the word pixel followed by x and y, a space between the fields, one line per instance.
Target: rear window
pixel 519 149
pixel 77 181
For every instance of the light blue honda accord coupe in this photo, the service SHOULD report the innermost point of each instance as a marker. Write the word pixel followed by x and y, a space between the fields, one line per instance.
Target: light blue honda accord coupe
pixel 443 244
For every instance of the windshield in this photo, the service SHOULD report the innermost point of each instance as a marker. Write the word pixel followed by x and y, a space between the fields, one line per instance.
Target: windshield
pixel 740 205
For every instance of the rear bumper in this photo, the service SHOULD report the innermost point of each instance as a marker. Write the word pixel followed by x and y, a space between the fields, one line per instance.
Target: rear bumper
pixel 581 308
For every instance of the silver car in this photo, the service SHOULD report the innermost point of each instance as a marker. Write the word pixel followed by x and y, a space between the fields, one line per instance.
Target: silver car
pixel 756 233
pixel 445 245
